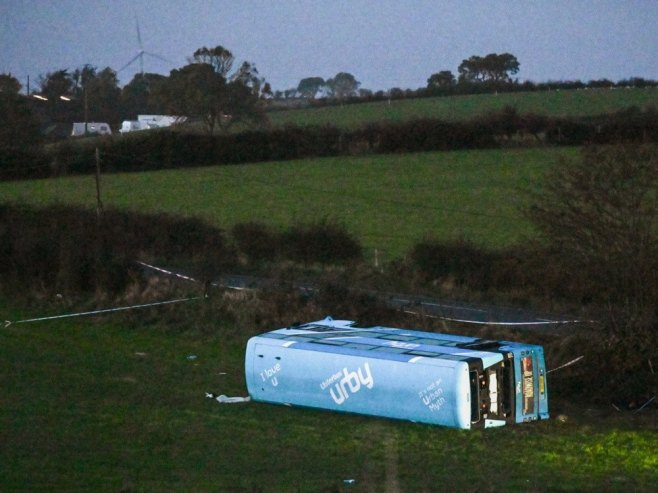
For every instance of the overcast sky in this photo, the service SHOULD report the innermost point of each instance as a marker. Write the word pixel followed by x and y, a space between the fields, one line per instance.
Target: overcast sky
pixel 383 43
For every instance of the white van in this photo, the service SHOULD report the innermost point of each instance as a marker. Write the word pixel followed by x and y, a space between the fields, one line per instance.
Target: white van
pixel 97 128
pixel 146 122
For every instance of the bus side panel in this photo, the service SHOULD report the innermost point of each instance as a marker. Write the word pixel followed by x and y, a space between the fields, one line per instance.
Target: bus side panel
pixel 428 390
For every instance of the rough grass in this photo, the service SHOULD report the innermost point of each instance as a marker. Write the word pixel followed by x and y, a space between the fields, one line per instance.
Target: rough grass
pixel 550 103
pixel 389 202
pixel 102 405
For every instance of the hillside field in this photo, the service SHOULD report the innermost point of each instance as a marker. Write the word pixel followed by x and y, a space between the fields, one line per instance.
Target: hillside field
pixel 549 103
pixel 389 202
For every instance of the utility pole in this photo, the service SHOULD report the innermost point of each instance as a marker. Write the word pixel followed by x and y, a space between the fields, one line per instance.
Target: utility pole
pixel 86 110
pixel 99 204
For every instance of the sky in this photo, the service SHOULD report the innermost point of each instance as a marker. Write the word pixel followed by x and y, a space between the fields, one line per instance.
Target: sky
pixel 383 43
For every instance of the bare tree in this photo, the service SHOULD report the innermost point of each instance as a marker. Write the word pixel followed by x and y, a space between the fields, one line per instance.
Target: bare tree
pixel 218 57
pixel 601 215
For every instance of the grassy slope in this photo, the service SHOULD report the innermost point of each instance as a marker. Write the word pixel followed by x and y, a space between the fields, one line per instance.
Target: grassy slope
pixel 552 103
pixel 388 201
pixel 99 406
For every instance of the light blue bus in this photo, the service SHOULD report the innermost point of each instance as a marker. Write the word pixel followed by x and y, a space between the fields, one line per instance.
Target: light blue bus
pixel 440 379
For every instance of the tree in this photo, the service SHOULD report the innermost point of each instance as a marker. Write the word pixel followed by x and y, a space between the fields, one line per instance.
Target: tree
pixel 442 80
pixel 102 97
pixel 601 216
pixel 9 84
pixel 58 89
pixel 195 90
pixel 343 85
pixel 248 76
pixel 500 68
pixel 242 104
pixel 310 86
pixel 471 70
pixel 395 93
pixel 219 58
pixel 81 78
pixel 56 84
pixel 266 91
pixel 206 88
pixel 83 93
pixel 491 68
pixel 203 88
pixel 138 96
pixel 19 128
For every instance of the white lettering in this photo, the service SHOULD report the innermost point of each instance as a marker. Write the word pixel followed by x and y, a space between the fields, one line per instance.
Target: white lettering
pixel 340 398
pixel 350 383
pixel 436 406
pixel 269 374
pixel 432 396
pixel 331 380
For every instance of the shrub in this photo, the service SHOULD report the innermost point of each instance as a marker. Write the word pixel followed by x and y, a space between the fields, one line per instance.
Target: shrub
pixel 69 250
pixel 256 240
pixel 461 260
pixel 323 241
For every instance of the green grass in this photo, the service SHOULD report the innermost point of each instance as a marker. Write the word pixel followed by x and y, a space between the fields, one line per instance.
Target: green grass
pixel 100 405
pixel 389 201
pixel 551 103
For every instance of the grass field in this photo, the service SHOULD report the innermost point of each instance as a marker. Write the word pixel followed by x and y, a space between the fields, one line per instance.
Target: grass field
pixel 551 103
pixel 103 405
pixel 389 202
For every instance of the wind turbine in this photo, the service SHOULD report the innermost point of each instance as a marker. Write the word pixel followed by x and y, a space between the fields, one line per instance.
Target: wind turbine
pixel 141 52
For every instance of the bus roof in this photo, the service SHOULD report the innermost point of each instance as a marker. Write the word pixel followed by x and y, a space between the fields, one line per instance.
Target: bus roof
pixel 343 337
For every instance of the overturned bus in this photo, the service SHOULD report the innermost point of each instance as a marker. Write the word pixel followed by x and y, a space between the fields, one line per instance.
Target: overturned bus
pixel 449 380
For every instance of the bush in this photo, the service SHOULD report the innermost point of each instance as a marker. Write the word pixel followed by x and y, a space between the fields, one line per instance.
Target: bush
pixel 166 148
pixel 324 242
pixel 69 250
pixel 601 216
pixel 255 240
pixel 20 163
pixel 461 261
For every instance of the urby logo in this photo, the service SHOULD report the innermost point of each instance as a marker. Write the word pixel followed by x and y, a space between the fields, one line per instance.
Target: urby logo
pixel 348 382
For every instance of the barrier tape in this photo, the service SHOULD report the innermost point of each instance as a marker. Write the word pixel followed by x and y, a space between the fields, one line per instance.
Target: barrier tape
pixel 483 322
pixel 97 312
pixel 407 310
pixel 575 360
pixel 165 271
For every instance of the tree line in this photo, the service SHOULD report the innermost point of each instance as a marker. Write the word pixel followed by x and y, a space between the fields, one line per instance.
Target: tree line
pixel 208 88
pixel 475 75
pixel 211 89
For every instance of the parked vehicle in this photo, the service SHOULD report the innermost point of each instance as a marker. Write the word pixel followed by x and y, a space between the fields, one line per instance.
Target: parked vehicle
pixel 86 128
pixel 147 122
